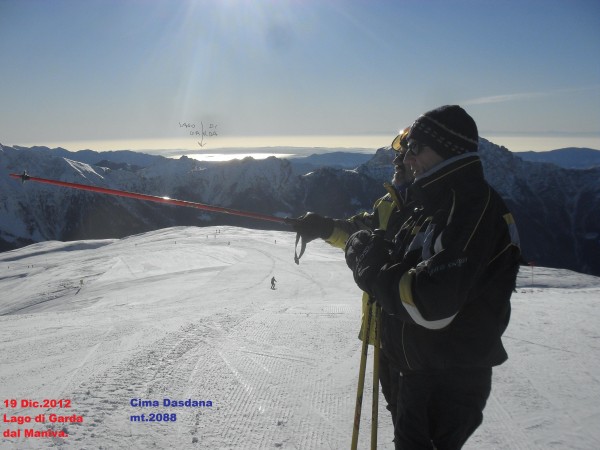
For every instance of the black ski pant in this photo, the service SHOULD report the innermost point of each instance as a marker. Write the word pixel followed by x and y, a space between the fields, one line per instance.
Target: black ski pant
pixel 438 409
pixel 388 378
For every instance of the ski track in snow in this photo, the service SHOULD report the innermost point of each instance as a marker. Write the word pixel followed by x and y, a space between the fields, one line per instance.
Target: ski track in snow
pixel 188 313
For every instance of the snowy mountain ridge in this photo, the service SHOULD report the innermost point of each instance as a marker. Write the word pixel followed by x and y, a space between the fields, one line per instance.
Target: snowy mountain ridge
pixel 557 210
pixel 567 158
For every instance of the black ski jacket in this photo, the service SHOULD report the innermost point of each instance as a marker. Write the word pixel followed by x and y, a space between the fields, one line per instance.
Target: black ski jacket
pixel 456 257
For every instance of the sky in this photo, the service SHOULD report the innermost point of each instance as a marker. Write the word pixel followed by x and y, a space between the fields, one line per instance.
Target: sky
pixel 212 74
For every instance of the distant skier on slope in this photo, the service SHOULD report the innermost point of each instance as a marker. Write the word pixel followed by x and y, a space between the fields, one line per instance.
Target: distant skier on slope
pixel 273 281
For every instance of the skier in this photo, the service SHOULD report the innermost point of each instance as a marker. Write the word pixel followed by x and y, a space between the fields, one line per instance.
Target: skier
pixel 388 213
pixel 273 281
pixel 444 282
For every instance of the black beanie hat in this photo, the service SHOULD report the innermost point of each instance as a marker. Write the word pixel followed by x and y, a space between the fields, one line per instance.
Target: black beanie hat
pixel 448 130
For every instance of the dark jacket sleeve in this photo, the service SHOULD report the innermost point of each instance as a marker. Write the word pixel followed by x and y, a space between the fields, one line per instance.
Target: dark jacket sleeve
pixel 343 229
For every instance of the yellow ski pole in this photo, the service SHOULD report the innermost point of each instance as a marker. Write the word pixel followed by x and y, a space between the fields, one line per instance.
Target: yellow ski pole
pixel 375 405
pixel 361 375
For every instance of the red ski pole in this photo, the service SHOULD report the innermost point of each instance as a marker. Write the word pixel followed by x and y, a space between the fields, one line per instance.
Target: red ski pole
pixel 170 201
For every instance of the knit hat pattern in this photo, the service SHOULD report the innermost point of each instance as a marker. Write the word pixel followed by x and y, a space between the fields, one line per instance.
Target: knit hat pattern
pixel 449 130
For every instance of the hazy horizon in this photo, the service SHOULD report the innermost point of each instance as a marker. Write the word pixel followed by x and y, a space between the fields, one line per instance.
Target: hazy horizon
pixel 220 148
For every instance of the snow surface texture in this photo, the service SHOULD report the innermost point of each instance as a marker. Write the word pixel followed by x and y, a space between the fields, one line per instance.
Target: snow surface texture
pixel 188 313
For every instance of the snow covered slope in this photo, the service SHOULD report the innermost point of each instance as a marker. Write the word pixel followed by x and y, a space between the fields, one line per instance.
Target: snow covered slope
pixel 188 313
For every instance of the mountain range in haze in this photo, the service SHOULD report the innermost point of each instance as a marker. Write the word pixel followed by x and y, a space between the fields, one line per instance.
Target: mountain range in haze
pixel 567 158
pixel 557 209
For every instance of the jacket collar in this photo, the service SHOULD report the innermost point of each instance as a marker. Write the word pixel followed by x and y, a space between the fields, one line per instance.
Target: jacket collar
pixel 461 170
pixel 447 162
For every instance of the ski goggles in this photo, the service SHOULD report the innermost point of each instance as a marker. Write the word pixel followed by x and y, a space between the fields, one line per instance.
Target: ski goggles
pixel 397 143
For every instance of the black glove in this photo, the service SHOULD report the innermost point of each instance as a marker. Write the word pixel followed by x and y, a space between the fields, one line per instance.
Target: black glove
pixel 366 254
pixel 311 226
